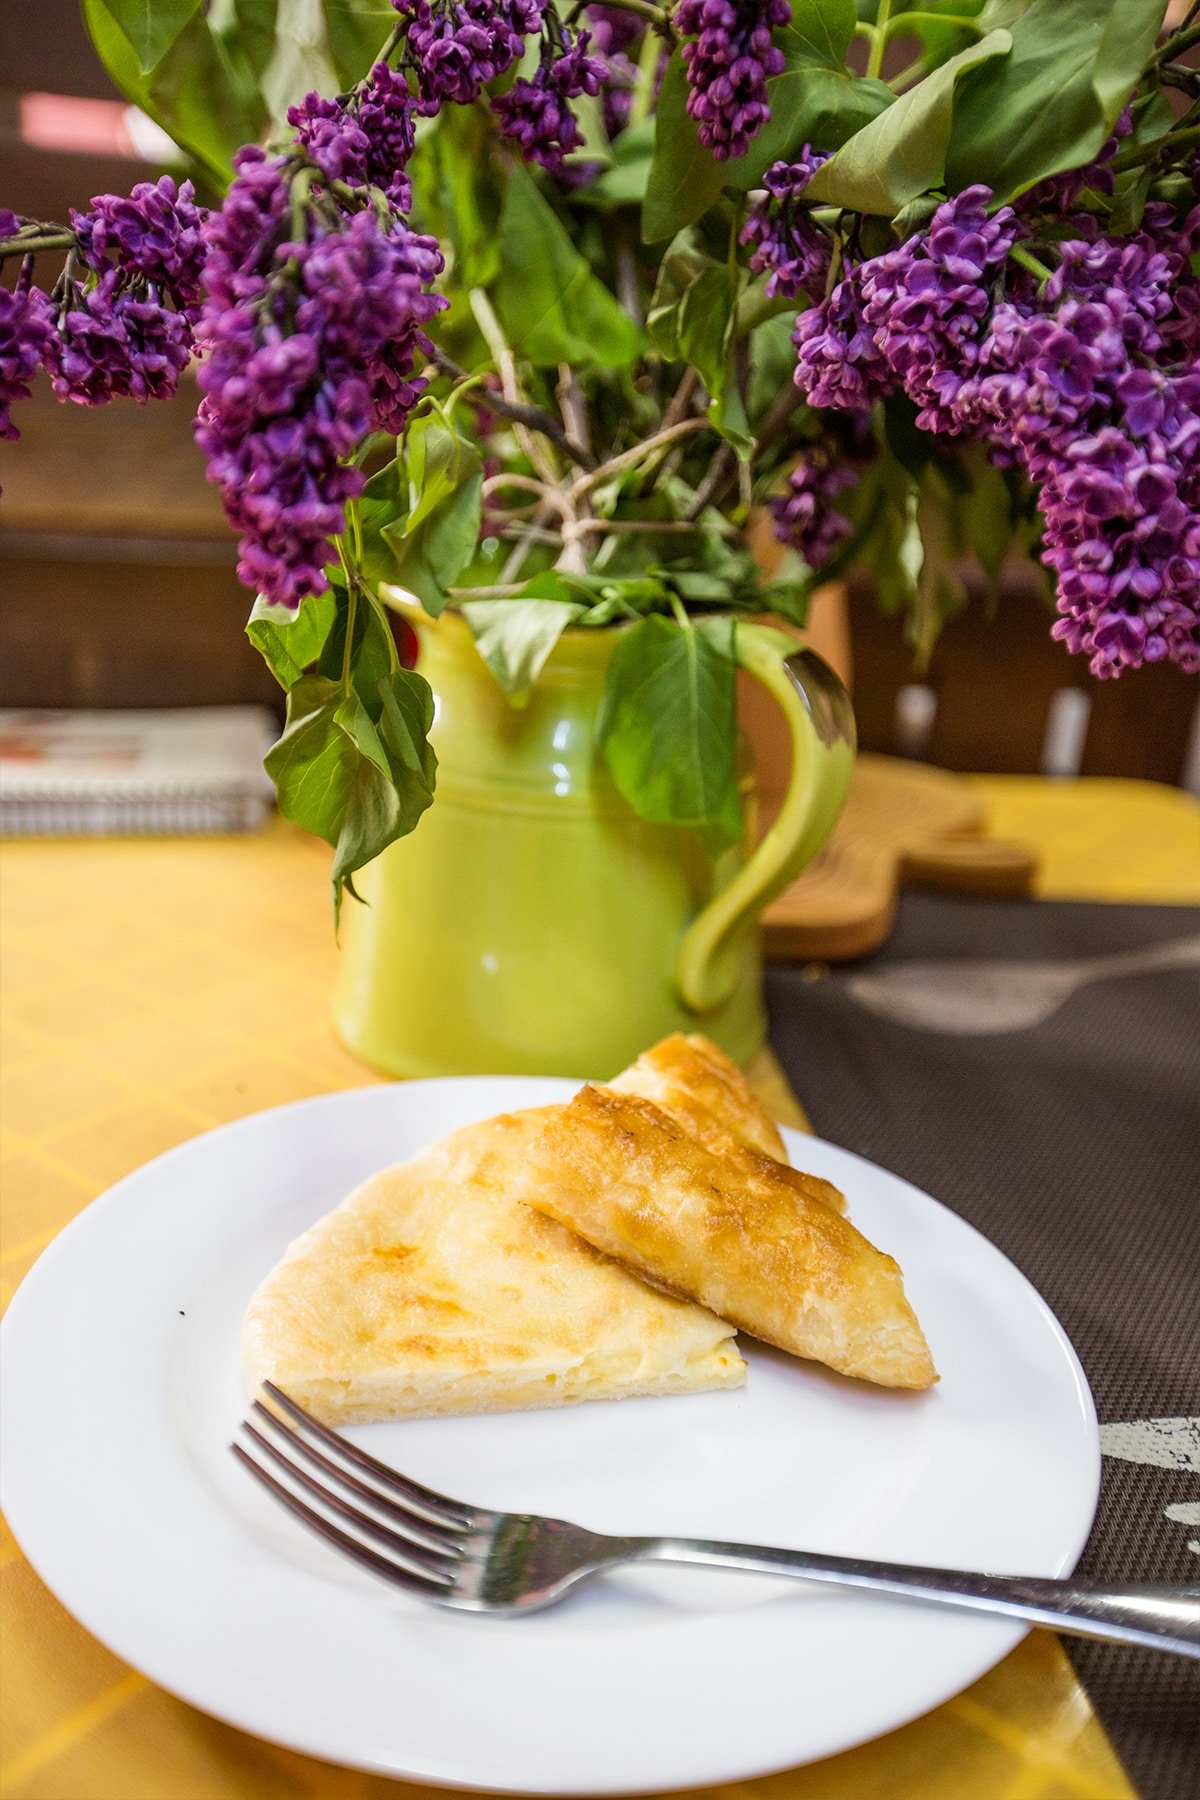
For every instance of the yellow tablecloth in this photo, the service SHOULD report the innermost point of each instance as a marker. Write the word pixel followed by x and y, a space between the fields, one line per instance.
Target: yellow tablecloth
pixel 153 989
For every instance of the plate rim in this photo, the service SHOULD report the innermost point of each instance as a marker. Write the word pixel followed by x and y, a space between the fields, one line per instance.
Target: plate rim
pixel 449 1773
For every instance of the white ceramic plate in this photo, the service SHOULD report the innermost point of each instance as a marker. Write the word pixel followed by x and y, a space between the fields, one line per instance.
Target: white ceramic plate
pixel 120 1392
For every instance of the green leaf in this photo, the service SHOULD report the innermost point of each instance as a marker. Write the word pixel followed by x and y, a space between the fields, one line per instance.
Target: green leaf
pixel 684 179
pixel 1073 65
pixel 940 590
pixel 623 183
pixel 457 191
pixel 291 642
pixel 355 769
pixel 939 25
pixel 152 26
pixel 373 652
pixel 392 770
pixel 822 107
pixel 705 317
pixel 435 537
pixel 903 152
pixel 911 446
pixel 204 97
pixel 685 261
pixel 820 31
pixel 383 502
pixel 1153 115
pixel 313 763
pixel 299 62
pixel 514 637
pixel 553 308
pixel 815 100
pixel 987 517
pixel 357 31
pixel 668 725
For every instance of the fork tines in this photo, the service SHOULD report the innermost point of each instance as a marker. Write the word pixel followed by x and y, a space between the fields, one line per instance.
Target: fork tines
pixel 424 1532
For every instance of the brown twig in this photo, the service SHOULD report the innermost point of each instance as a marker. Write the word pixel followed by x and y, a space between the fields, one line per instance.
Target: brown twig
pixel 583 484
pixel 719 469
pixel 521 413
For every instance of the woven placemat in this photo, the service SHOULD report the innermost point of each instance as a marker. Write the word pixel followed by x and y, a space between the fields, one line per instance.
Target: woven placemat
pixel 1072 1144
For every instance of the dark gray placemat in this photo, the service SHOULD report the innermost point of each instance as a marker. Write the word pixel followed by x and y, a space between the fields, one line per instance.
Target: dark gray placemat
pixel 1073 1145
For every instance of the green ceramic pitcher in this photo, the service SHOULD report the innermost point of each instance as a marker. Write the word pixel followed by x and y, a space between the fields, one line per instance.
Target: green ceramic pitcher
pixel 533 923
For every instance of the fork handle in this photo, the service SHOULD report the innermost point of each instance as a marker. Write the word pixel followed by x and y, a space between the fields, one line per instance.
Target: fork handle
pixel 1158 1617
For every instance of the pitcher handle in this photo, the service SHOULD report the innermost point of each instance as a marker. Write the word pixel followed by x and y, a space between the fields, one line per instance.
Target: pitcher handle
pixel 821 725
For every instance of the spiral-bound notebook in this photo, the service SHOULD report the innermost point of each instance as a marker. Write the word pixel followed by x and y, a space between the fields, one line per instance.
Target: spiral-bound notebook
pixel 182 772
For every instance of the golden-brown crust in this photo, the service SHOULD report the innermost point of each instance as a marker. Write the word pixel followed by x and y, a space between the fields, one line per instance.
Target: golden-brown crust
pixel 733 1229
pixel 432 1290
pixel 691 1077
pixel 693 1081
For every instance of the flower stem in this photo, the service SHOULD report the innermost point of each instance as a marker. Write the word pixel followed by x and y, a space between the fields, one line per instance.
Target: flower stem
pixel 879 41
pixel 29 246
pixel 1171 140
pixel 1176 44
pixel 642 104
pixel 536 417
pixel 904 78
pixel 351 610
pixel 1030 262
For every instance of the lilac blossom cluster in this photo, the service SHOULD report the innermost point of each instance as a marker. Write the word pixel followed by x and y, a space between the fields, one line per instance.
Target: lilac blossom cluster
pixel 119 328
pixel 729 60
pixel 310 343
pixel 154 235
pixel 536 115
pixel 113 341
pixel 615 40
pixel 455 47
pixel 26 326
pixel 365 141
pixel 786 244
pixel 806 516
pixel 1088 383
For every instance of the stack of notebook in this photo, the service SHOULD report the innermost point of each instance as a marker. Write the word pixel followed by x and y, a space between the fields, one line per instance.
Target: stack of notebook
pixel 167 773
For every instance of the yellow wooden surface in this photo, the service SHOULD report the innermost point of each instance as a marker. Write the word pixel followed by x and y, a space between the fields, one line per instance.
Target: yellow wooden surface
pixel 152 990
pixel 1101 839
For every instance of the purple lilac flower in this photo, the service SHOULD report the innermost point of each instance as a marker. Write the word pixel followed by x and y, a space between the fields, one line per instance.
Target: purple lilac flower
pixel 838 364
pixel 331 135
pixel 805 516
pixel 926 302
pixel 310 344
pixel 26 324
pixel 1061 194
pixel 613 29
pixel 616 37
pixel 9 223
pixel 537 114
pixel 153 233
pixel 1087 383
pixel 729 63
pixel 457 46
pixel 115 341
pixel 367 142
pixel 785 243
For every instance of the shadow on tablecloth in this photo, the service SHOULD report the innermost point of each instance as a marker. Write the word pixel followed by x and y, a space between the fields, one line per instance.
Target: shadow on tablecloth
pixel 1074 1146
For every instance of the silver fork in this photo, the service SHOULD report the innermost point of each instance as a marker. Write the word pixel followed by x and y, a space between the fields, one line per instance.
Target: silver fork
pixel 457 1555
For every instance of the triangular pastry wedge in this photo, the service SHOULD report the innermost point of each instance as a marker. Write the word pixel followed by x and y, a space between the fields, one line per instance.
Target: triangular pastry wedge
pixel 706 1093
pixel 733 1229
pixel 432 1289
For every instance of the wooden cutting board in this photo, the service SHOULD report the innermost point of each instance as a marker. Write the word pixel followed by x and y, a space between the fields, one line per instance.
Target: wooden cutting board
pixel 904 824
